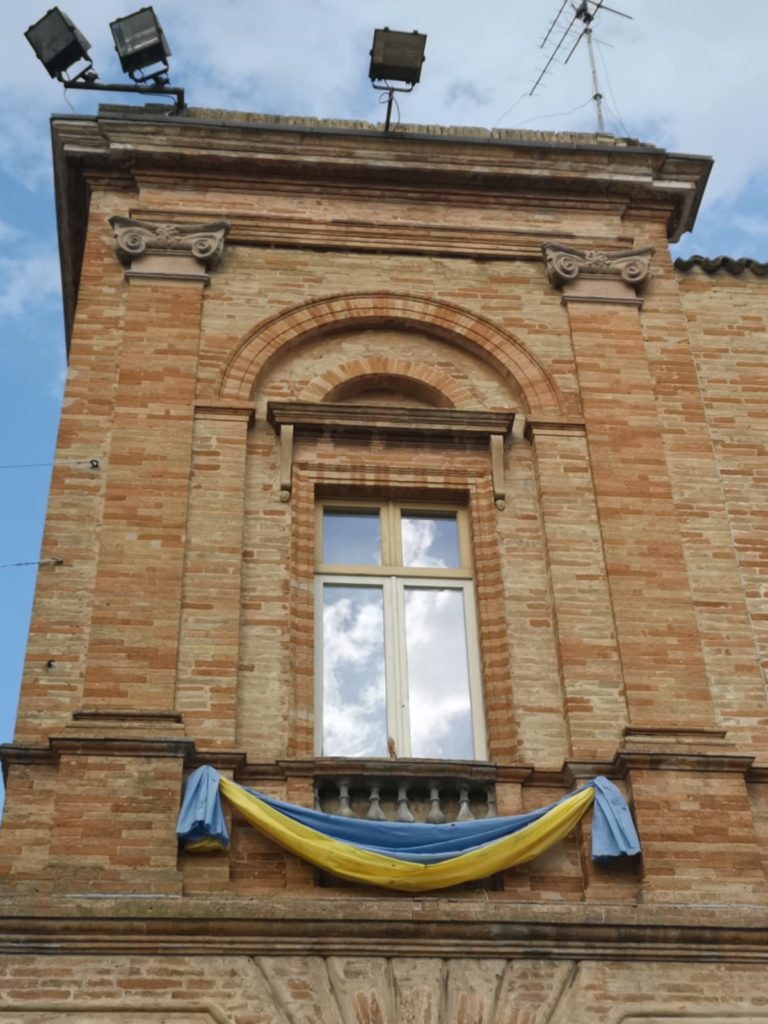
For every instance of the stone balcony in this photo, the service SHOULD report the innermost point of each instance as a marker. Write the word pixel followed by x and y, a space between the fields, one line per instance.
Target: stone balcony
pixel 406 791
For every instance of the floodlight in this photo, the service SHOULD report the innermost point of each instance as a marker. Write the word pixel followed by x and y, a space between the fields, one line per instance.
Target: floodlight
pixel 397 56
pixel 140 44
pixel 58 44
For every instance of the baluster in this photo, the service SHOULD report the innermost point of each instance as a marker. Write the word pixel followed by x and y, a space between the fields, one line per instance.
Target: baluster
pixel 344 808
pixel 316 790
pixel 435 814
pixel 490 796
pixel 375 812
pixel 403 812
pixel 465 813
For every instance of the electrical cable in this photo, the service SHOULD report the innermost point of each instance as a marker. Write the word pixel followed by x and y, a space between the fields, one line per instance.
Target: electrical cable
pixel 562 113
pixel 397 112
pixel 517 102
pixel 614 120
pixel 67 100
pixel 615 105
pixel 93 463
pixel 43 561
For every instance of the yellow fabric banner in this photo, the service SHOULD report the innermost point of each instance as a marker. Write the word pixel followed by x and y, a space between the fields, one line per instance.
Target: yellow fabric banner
pixel 369 868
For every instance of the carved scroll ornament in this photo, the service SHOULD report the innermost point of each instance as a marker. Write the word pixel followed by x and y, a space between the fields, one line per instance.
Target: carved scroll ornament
pixel 134 238
pixel 564 265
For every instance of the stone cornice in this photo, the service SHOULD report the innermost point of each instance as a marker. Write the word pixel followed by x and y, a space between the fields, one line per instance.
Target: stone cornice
pixel 425 426
pixel 395 235
pixel 107 742
pixel 442 424
pixel 565 265
pixel 126 149
pixel 381 926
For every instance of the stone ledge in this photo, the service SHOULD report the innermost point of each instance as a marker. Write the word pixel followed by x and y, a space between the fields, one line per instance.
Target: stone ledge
pixel 129 746
pixel 343 419
pixel 335 926
pixel 662 760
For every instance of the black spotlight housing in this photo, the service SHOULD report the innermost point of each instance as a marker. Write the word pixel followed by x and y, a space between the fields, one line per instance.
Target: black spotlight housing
pixel 397 56
pixel 141 43
pixel 58 43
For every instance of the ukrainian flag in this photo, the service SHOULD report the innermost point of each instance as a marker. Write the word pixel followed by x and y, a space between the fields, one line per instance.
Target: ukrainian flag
pixel 411 857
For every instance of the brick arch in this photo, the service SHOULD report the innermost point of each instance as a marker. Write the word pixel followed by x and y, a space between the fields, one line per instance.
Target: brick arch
pixel 458 326
pixel 439 387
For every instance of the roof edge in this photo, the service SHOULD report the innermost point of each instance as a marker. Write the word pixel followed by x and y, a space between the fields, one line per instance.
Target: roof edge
pixel 711 265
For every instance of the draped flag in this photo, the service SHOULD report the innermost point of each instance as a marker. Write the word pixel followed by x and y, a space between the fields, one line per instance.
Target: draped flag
pixel 413 857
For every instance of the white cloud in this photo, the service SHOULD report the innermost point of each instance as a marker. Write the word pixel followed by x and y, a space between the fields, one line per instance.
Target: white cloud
pixel 28 280
pixel 680 73
pixel 354 699
pixel 439 701
pixel 430 542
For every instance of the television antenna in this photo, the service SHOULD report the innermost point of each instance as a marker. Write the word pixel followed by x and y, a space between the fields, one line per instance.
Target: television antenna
pixel 584 12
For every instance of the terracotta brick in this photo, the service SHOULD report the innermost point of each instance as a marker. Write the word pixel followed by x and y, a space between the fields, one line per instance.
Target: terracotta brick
pixel 622 617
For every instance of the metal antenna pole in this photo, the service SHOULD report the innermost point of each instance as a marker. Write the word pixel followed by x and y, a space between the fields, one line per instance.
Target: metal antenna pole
pixel 597 96
pixel 584 12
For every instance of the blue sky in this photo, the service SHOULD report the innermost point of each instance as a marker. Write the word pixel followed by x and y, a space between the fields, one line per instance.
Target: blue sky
pixel 685 75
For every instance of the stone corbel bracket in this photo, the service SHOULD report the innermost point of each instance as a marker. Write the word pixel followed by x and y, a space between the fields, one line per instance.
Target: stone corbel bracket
pixel 596 276
pixel 439 427
pixel 177 251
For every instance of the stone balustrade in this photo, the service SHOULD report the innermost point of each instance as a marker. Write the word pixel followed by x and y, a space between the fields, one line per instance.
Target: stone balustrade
pixel 406 798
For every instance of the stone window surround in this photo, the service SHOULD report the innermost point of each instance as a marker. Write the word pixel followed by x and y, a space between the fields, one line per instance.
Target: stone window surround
pixel 312 479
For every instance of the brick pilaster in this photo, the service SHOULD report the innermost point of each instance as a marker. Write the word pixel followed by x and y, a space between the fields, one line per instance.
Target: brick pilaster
pixel 206 689
pixel 656 627
pixel 587 645
pixel 135 629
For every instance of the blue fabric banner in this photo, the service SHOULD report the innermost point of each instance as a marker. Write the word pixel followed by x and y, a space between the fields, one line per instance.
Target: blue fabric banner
pixel 201 824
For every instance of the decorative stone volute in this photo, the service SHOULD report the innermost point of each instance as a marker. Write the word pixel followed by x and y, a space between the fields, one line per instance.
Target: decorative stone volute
pixel 594 275
pixel 168 250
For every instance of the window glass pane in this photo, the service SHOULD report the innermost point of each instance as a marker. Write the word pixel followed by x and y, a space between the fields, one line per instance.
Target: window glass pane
pixel 438 674
pixel 352 538
pixel 430 540
pixel 354 700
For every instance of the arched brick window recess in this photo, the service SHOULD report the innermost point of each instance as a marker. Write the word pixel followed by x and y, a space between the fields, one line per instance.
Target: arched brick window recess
pixel 536 390
pixel 355 379
pixel 338 474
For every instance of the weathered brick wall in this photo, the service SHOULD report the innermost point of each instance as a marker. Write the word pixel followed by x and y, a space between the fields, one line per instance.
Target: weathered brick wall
pixel 619 592
pixel 300 990
pixel 61 619
pixel 726 322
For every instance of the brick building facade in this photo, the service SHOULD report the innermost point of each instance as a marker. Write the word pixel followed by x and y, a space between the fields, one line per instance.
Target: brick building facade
pixel 274 320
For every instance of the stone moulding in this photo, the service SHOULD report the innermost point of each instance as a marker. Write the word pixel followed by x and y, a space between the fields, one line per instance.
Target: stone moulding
pixel 565 265
pixel 319 926
pixel 135 238
pixel 441 426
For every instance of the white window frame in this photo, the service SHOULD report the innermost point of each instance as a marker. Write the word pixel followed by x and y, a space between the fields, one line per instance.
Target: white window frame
pixel 394 580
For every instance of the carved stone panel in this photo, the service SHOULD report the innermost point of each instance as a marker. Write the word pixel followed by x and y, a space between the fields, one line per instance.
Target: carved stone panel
pixel 594 275
pixel 185 251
